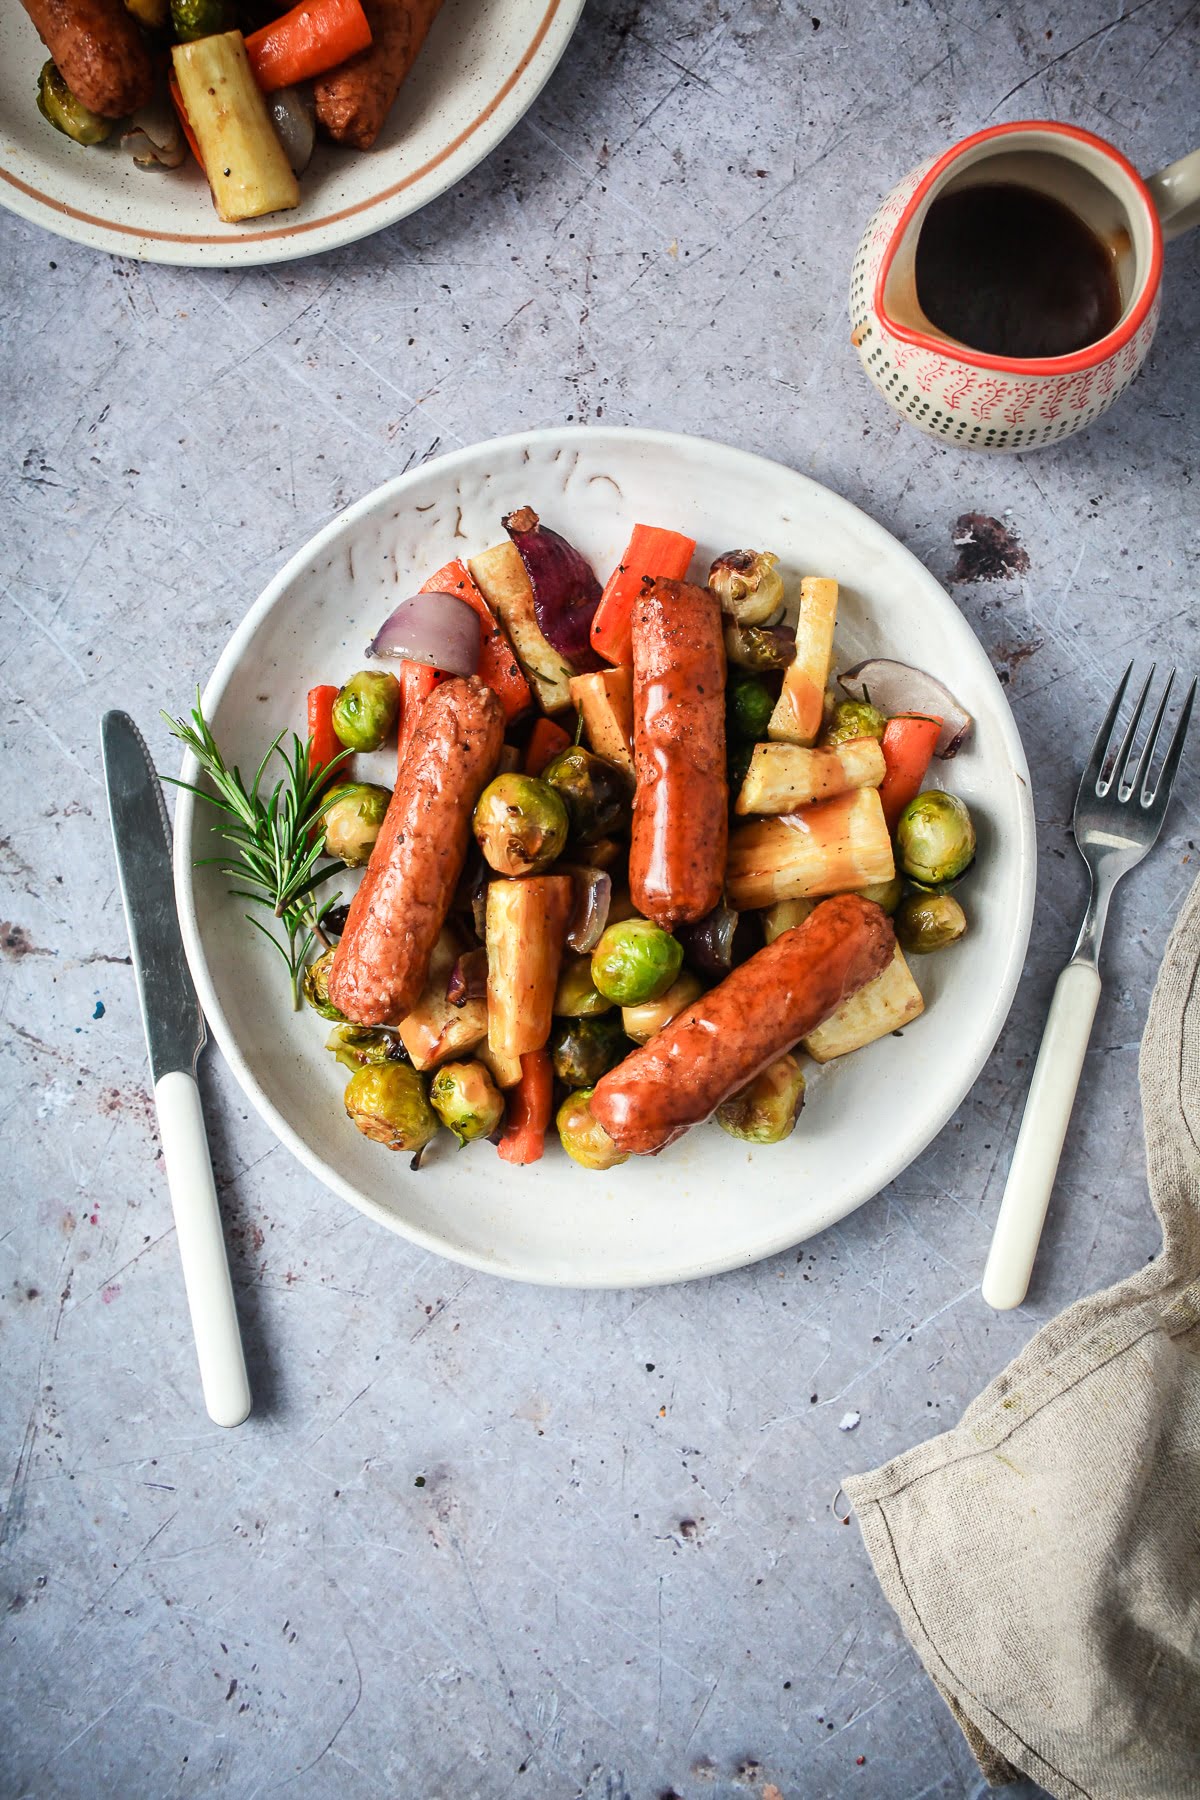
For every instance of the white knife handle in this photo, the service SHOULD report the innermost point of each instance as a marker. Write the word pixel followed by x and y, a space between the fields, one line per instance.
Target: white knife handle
pixel 202 1249
pixel 1039 1144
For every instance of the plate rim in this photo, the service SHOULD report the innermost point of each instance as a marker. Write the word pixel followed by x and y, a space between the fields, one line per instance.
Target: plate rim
pixel 384 494
pixel 271 245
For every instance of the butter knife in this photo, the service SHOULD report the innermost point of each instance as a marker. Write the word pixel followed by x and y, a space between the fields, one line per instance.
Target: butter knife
pixel 175 1036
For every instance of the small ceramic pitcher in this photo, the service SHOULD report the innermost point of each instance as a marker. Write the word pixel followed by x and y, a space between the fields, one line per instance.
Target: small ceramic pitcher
pixel 988 402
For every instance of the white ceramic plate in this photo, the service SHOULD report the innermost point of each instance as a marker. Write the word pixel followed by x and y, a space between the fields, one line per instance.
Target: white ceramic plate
pixel 481 68
pixel 710 1202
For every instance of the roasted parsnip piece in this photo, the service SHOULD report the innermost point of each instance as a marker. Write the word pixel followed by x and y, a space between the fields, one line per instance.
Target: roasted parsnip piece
pixel 783 915
pixel 800 708
pixel 435 1030
pixel 243 159
pixel 526 929
pixel 893 999
pixel 500 576
pixel 606 701
pixel 782 777
pixel 838 847
pixel 506 1070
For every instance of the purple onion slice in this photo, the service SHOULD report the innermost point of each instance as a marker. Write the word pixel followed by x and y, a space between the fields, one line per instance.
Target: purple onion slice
pixel 895 687
pixel 565 590
pixel 438 629
pixel 593 897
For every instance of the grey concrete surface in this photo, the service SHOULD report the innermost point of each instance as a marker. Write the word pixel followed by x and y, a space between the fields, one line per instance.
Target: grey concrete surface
pixel 479 1540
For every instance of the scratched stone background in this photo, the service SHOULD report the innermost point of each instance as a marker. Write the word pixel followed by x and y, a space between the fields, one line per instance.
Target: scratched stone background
pixel 480 1540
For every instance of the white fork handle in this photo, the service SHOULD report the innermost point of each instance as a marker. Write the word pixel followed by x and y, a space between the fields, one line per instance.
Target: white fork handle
pixel 202 1249
pixel 1039 1144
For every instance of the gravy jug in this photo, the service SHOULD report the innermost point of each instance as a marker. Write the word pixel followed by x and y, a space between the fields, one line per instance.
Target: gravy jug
pixel 978 398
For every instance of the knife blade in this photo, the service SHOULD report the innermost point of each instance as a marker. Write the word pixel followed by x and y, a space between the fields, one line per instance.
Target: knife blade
pixel 175 1036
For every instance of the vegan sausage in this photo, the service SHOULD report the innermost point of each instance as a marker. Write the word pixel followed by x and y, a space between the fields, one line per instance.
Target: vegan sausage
pixel 381 964
pixel 761 1009
pixel 354 99
pixel 99 51
pixel 681 806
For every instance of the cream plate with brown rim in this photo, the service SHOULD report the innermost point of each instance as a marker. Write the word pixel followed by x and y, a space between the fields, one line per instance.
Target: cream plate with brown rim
pixel 710 1202
pixel 481 68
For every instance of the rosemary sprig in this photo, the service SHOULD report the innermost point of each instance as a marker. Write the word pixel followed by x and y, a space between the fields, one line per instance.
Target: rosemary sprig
pixel 277 854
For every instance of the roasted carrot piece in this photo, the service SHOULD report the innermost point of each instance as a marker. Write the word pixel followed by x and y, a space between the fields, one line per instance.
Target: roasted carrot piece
pixel 652 551
pixel 524 1137
pixel 546 741
pixel 181 113
pixel 323 741
pixel 315 36
pixel 417 682
pixel 498 665
pixel 907 745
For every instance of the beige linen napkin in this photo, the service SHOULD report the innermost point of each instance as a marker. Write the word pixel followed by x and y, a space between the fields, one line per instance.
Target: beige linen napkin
pixel 1044 1556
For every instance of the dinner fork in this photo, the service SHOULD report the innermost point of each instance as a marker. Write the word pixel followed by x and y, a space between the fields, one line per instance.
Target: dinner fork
pixel 1118 816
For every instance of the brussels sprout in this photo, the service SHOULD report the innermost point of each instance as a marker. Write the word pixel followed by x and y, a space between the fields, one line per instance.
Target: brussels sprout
pixel 466 1100
pixel 577 996
pixel 155 15
pixel 366 709
pixel 854 719
pixel 929 922
pixel 885 894
pixel 759 647
pixel 748 584
pixel 766 1109
pixel 583 1136
pixel 357 1045
pixel 58 104
pixel 316 987
pixel 595 792
pixel 387 1102
pixel 748 708
pixel 200 18
pixel 635 961
pixel 641 1022
pixel 520 825
pixel 585 1049
pixel 935 838
pixel 353 816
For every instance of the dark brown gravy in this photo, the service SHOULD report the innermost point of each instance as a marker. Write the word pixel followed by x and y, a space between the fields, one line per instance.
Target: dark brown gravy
pixel 1014 272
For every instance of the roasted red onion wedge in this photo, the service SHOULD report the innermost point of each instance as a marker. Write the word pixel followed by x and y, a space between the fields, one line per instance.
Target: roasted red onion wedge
pixel 593 897
pixel 565 590
pixel 468 978
pixel 717 942
pixel 438 629
pixel 894 687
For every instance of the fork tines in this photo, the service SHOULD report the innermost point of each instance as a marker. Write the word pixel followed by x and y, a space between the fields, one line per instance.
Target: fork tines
pixel 1108 766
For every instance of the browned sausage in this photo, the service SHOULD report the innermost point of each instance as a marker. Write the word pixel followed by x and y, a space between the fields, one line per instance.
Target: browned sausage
pixel 760 1010
pixel 100 52
pixel 383 959
pixel 354 99
pixel 681 807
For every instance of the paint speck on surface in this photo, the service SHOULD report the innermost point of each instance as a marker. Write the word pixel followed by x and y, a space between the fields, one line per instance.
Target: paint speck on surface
pixel 99 1011
pixel 112 1291
pixel 848 1421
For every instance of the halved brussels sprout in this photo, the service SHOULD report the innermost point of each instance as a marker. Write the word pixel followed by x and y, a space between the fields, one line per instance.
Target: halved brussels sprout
pixel 594 792
pixel 935 839
pixel 635 961
pixel 583 1137
pixel 387 1102
pixel 585 1049
pixel 520 824
pixel 466 1100
pixel 577 996
pixel 928 922
pixel 357 1045
pixel 749 704
pixel 200 18
pixel 316 987
pixel 765 1110
pixel 854 719
pixel 885 894
pixel 366 709
pixel 352 818
pixel 748 584
pixel 59 106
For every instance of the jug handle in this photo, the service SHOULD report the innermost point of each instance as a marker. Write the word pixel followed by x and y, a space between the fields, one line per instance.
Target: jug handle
pixel 1175 192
